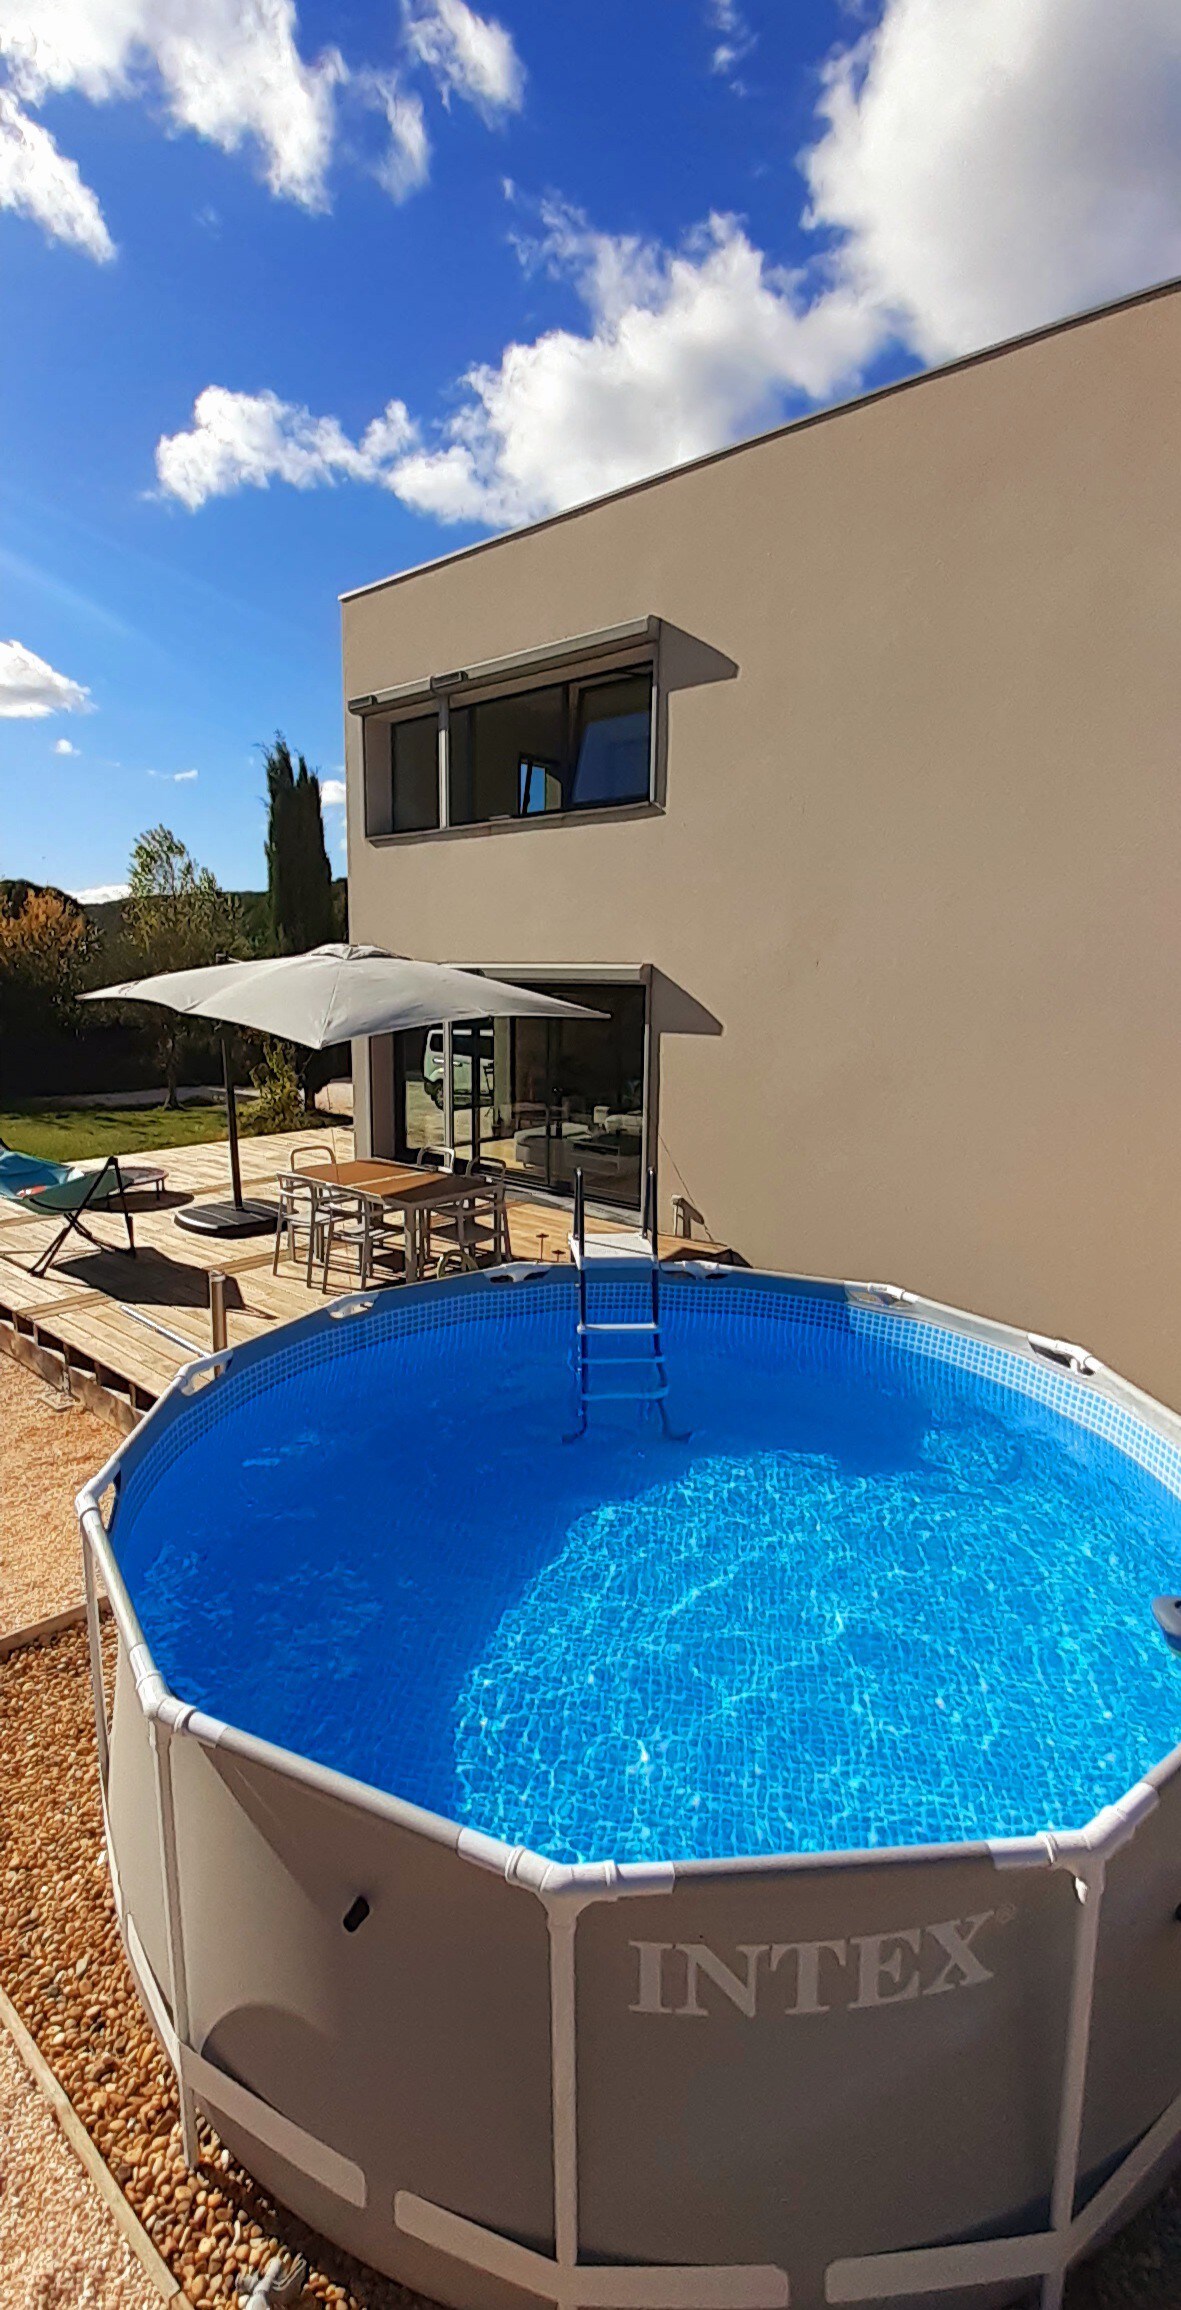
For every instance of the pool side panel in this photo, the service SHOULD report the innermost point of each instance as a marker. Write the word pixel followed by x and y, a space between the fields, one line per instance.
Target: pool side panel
pixel 132 1823
pixel 820 2064
pixel 414 2047
pixel 1135 2050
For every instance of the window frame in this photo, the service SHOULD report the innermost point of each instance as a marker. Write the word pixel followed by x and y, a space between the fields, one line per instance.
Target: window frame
pixel 596 680
pixel 577 675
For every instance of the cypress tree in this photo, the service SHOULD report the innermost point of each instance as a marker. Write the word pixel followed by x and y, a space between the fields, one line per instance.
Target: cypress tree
pixel 299 877
pixel 280 848
pixel 318 909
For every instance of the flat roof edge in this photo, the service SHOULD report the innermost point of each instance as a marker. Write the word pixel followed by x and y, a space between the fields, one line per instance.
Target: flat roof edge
pixel 809 417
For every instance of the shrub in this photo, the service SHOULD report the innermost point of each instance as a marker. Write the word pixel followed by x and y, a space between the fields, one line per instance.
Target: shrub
pixel 279 1106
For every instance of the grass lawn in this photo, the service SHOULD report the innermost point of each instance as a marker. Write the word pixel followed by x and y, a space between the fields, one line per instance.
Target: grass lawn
pixel 66 1134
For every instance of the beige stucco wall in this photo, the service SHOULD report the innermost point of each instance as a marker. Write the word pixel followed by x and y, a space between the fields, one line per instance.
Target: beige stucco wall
pixel 919 856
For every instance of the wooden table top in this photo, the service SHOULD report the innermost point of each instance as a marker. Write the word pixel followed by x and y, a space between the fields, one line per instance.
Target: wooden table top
pixel 398 1182
pixel 361 1171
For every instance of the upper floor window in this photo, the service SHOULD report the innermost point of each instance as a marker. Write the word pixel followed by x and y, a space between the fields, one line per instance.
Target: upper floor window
pixel 579 745
pixel 584 744
pixel 402 775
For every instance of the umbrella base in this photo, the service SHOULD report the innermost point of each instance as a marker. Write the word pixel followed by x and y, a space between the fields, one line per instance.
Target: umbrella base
pixel 227 1218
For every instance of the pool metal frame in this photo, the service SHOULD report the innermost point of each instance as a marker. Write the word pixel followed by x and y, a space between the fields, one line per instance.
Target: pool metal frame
pixel 566 1892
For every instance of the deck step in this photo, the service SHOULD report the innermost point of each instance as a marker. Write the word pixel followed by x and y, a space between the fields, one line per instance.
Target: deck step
pixel 624 1253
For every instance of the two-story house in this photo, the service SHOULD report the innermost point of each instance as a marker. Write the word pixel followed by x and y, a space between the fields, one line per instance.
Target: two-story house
pixel 841 771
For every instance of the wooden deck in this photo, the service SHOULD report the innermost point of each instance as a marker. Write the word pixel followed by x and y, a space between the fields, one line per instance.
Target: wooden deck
pixel 117 1330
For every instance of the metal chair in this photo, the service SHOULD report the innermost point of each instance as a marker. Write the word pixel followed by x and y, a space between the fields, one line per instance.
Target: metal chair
pixel 310 1155
pixel 361 1227
pixel 295 1216
pixel 436 1159
pixel 473 1230
pixel 295 1219
pixel 495 1171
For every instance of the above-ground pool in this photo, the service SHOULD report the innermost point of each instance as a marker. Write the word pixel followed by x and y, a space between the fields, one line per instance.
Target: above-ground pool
pixel 720 1857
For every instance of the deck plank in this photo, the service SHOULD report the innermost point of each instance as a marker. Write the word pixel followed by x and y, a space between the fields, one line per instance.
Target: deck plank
pixel 33 1295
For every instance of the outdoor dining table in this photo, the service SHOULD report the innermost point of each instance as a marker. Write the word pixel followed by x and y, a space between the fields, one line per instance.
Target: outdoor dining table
pixel 414 1191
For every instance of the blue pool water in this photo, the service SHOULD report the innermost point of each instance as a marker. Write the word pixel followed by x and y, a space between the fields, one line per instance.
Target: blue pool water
pixel 874 1599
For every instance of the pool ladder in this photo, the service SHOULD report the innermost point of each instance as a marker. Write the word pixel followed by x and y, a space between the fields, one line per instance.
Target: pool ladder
pixel 612 1257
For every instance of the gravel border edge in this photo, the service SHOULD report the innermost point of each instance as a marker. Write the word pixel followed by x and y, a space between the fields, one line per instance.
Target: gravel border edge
pixel 44 1631
pixel 126 2220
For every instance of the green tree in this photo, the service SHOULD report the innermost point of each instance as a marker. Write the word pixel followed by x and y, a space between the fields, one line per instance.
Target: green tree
pixel 299 878
pixel 176 917
pixel 46 945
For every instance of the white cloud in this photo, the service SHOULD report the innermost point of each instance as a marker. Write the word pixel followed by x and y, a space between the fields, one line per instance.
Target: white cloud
pixel 735 39
pixel 30 689
pixel 37 181
pixel 247 440
pixel 468 55
pixel 332 793
pixel 1000 163
pixel 406 163
pixel 686 349
pixel 230 70
pixel 174 777
pixel 63 746
pixel 102 893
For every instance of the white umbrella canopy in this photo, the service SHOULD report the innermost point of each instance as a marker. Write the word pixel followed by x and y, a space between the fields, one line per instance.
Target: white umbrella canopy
pixel 333 993
pixel 326 996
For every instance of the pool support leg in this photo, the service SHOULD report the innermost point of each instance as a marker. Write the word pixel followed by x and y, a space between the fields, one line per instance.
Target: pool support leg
pixel 562 1918
pixel 1090 1877
pixel 178 1995
pixel 94 1645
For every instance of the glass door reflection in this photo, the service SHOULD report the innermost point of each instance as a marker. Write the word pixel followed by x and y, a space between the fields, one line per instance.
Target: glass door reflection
pixel 556 1095
pixel 544 1097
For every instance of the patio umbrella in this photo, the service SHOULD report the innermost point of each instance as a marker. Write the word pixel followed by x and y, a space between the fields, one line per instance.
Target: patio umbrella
pixel 330 995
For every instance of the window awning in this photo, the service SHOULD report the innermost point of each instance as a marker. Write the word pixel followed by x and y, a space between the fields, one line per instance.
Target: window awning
pixel 573 650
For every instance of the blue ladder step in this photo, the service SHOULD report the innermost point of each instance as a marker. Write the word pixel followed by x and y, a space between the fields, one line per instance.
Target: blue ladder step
pixel 624 1395
pixel 584 1329
pixel 622 1363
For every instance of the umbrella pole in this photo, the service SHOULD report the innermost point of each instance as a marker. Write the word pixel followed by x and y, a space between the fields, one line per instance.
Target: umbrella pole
pixel 236 1217
pixel 227 1073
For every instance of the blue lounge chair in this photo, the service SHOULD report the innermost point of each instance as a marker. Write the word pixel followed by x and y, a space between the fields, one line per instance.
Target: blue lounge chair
pixel 65 1191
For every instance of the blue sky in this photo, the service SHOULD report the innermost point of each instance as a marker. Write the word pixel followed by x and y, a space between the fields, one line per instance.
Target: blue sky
pixel 295 297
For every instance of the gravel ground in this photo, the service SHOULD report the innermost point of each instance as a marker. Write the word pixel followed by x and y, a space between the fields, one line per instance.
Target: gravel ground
pixel 59 2248
pixel 48 1447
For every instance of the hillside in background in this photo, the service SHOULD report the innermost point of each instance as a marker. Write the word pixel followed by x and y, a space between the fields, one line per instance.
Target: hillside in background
pixel 107 916
pixel 14 891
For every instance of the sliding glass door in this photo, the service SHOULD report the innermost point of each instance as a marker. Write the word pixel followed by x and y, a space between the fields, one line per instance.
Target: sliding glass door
pixel 545 1097
pixel 419 1089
